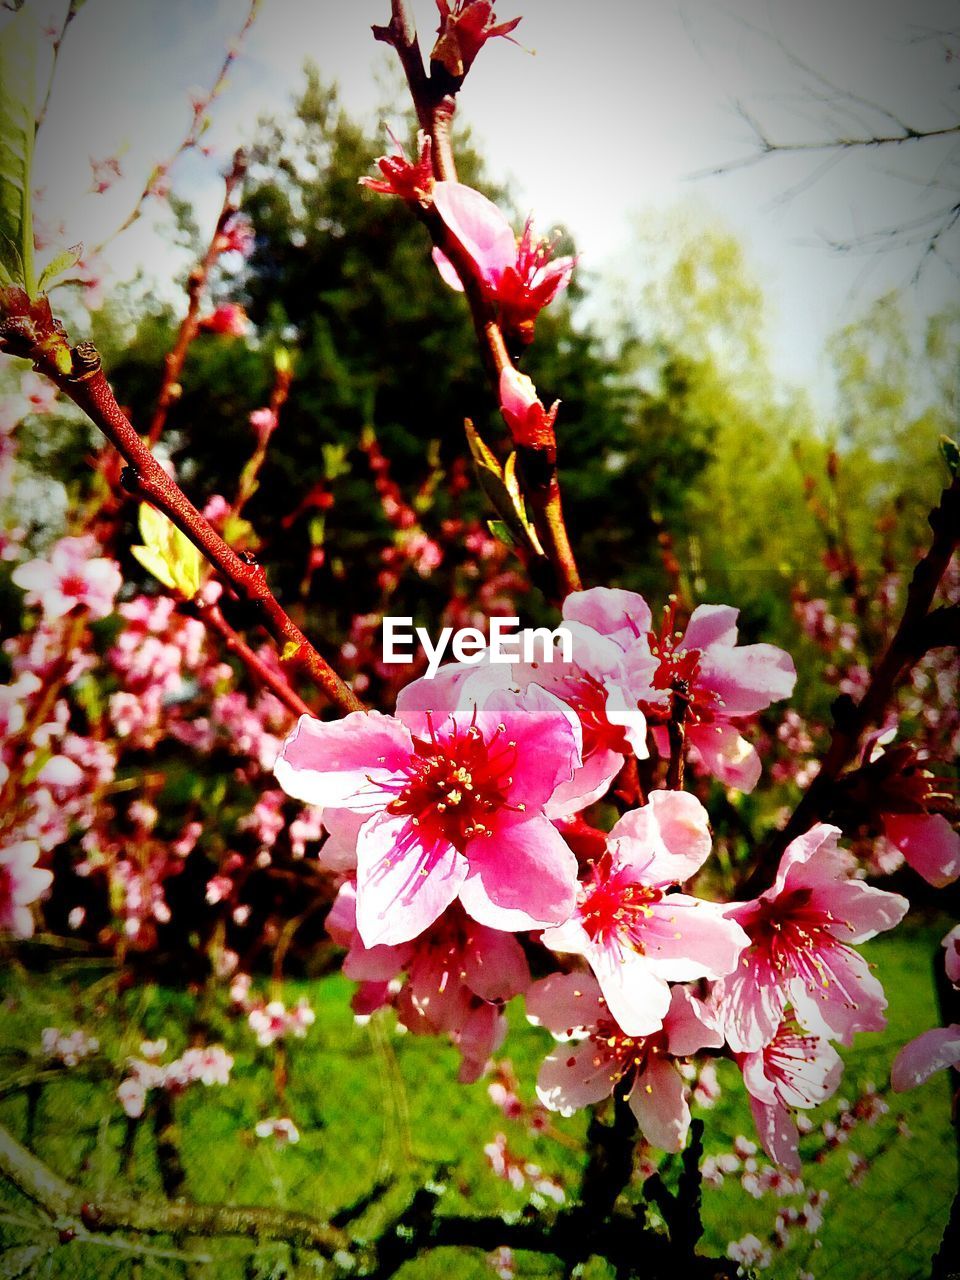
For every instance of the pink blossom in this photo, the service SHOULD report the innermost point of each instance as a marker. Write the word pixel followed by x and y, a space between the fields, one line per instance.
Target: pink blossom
pixel 459 974
pixel 281 1128
pixel 701 673
pixel 229 318
pixel 237 235
pixel 412 182
pixel 21 882
pixel 636 935
pixel 750 1252
pixel 264 422
pixel 605 1057
pixel 799 932
pixel 792 1070
pixel 465 27
pixel 523 412
pixel 928 842
pixel 71 576
pixel 933 1051
pixel 519 278
pixel 453 808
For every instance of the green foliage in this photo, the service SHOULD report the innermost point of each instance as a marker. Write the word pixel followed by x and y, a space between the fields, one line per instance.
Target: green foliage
pixel 19 42
pixel 367 1102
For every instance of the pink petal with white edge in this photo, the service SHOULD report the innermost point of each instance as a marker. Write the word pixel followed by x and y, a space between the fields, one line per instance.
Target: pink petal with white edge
pixel 750 1008
pixel 448 272
pixel 574 1076
pixel 723 752
pixel 565 1003
pixel 622 615
pixel 401 887
pixel 859 910
pixel 811 860
pixel 342 762
pixel 479 226
pixel 659 1102
pixel 590 782
pixel 847 997
pixel 931 1052
pixel 548 741
pixel 637 998
pixel 928 842
pixel 747 678
pixel 778 1133
pixel 494 964
pixel 686 938
pixel 691 1024
pixel 523 876
pixel 339 851
pixel 667 839
pixel 711 624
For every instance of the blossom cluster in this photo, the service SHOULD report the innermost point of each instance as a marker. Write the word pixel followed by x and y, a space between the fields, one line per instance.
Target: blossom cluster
pixel 457 828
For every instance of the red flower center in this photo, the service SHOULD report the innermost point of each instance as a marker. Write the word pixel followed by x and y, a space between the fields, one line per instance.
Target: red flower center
pixel 456 784
pixel 791 934
pixel 678 674
pixel 616 909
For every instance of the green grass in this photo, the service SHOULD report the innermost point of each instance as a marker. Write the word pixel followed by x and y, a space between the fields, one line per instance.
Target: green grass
pixel 370 1104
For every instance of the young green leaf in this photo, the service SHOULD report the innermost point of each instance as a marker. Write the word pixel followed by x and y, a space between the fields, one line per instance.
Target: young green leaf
pixel 19 42
pixel 167 553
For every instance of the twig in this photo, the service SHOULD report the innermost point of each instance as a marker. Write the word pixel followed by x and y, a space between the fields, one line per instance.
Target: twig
pixel 919 630
pixel 212 616
pixel 73 9
pixel 435 103
pixel 88 388
pixel 62 1200
pixel 196 285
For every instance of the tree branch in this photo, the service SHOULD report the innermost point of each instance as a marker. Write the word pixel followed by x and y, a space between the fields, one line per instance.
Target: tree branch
pixel 62 1200
pixel 919 630
pixel 79 375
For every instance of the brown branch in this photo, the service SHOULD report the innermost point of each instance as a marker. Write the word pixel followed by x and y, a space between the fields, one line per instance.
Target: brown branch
pixel 918 631
pixel 62 1200
pixel 212 617
pixel 88 388
pixel 196 285
pixel 435 104
pixel 192 137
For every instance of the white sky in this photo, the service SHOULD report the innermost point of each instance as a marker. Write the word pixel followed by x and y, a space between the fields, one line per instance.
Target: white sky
pixel 621 104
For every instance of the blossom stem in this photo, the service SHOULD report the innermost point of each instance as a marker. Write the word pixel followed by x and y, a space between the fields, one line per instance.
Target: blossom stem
pixel 435 106
pixel 919 630
pixel 196 286
pixel 212 617
pixel 89 389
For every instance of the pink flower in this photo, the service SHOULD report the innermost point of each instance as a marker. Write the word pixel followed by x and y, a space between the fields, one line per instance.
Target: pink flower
pixel 637 936
pixel 465 27
pixel 935 1050
pixel 524 414
pixel 799 930
pixel 928 842
pixel 237 235
pixel 793 1070
pixel 605 1057
pixel 702 673
pixel 452 807
pixel 412 182
pixel 519 279
pixel 264 422
pixel 21 882
pixel 460 973
pixel 229 318
pixel 70 577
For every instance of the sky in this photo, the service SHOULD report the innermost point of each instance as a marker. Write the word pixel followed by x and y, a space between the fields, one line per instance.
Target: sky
pixel 611 113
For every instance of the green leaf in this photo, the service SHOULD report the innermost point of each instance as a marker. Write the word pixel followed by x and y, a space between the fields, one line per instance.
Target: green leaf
pixel 167 553
pixel 502 487
pixel 19 42
pixel 64 261
pixel 501 531
pixel 951 455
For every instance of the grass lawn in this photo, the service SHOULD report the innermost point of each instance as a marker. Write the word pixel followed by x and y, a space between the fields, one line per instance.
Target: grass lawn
pixel 370 1105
